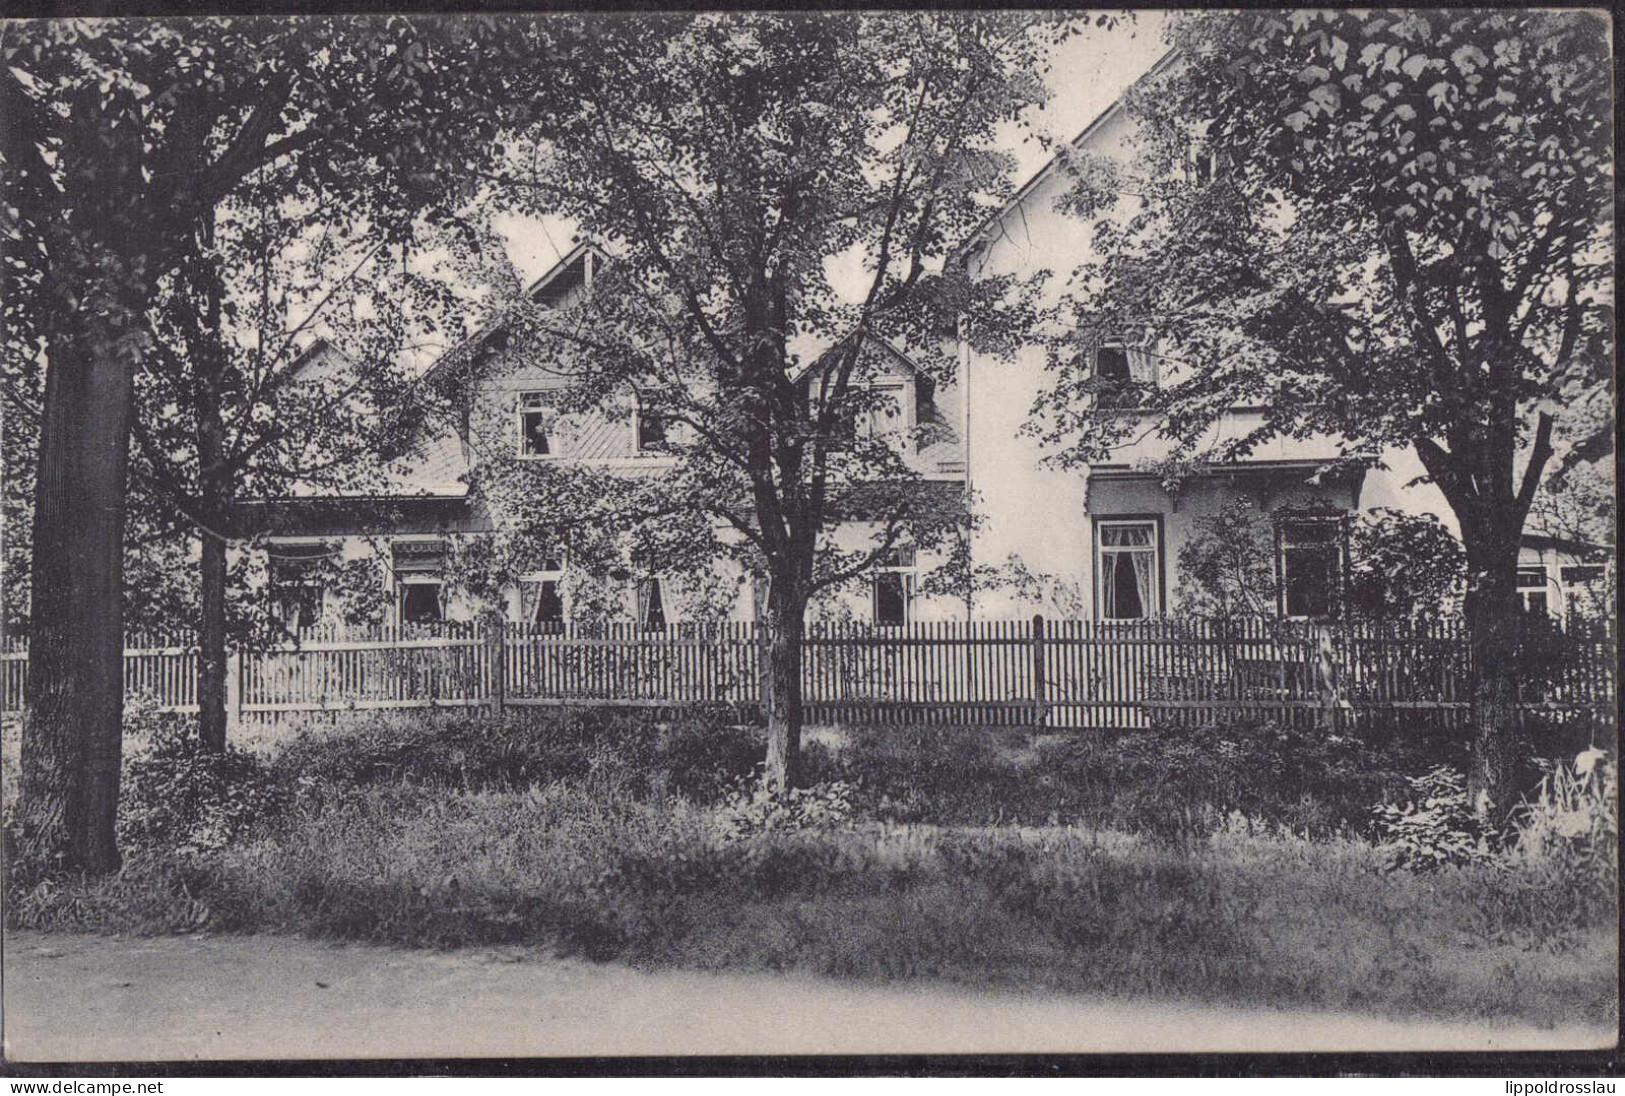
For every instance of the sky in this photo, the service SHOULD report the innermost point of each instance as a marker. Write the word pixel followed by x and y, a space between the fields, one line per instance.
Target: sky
pixel 1088 74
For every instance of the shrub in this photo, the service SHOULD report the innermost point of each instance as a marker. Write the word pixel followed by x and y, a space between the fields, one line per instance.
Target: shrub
pixel 752 809
pixel 696 755
pixel 1435 827
pixel 178 798
pixel 1571 825
pixel 703 754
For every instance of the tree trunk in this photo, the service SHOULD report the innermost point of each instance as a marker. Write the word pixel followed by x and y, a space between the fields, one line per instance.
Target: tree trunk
pixel 1494 623
pixel 214 483
pixel 211 657
pixel 72 738
pixel 786 629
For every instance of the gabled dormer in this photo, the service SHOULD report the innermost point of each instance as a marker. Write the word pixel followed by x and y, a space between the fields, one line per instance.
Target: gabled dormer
pixel 914 419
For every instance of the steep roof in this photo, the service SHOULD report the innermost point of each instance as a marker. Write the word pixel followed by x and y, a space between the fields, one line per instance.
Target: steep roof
pixel 535 290
pixel 1053 164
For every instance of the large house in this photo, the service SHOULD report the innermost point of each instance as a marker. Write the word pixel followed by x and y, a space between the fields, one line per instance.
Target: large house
pixel 1106 538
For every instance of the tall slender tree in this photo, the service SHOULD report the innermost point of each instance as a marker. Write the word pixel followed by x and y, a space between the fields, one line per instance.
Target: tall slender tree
pixel 727 165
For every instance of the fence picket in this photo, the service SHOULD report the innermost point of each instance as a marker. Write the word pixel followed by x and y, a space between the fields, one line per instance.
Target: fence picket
pixel 1097 674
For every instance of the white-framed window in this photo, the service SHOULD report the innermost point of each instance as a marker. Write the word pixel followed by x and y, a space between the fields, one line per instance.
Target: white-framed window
pixel 298 592
pixel 651 605
pixel 1128 568
pixel 541 595
pixel 1127 369
pixel 538 426
pixel 889 419
pixel 893 587
pixel 420 585
pixel 1310 559
pixel 1532 592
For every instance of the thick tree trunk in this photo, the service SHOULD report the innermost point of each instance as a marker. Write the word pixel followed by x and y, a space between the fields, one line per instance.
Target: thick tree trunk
pixel 72 738
pixel 786 628
pixel 1494 624
pixel 211 658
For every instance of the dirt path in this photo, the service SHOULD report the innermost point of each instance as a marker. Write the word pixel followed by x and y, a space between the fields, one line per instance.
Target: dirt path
pixel 110 998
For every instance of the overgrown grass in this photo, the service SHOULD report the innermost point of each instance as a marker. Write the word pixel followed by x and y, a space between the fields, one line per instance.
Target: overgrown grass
pixel 610 838
pixel 1176 783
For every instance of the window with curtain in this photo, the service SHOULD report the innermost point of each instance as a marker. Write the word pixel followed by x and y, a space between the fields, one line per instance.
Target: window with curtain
pixel 1128 371
pixel 538 425
pixel 541 595
pixel 419 568
pixel 1310 559
pixel 651 605
pixel 296 586
pixel 1128 572
pixel 893 587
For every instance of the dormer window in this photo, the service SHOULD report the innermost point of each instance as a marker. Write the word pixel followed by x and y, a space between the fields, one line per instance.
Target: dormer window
pixel 538 425
pixel 888 419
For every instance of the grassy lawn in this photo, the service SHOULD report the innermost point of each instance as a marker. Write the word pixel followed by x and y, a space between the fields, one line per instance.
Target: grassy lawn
pixel 618 843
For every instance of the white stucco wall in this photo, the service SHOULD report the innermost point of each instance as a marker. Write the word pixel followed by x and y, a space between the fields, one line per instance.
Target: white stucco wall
pixel 1041 513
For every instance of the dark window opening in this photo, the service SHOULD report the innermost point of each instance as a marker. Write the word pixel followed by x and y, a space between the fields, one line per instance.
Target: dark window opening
pixel 418 565
pixel 651 430
pixel 420 603
pixel 891 602
pixel 1112 367
pixel 549 604
pixel 1311 562
pixel 1574 576
pixel 893 586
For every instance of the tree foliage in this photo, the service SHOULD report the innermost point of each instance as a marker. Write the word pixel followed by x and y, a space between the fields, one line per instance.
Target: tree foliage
pixel 121 139
pixel 1406 241
pixel 728 166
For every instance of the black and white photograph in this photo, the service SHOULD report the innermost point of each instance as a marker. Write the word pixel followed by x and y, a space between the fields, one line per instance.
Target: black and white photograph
pixel 758 536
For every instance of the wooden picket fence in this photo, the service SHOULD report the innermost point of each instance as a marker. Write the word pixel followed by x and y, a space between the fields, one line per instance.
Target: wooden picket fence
pixel 1069 674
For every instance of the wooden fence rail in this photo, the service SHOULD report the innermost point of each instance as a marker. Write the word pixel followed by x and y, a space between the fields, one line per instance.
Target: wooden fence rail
pixel 1059 674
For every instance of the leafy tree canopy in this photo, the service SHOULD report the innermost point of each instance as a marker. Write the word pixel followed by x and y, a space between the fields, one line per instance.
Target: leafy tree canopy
pixel 1406 242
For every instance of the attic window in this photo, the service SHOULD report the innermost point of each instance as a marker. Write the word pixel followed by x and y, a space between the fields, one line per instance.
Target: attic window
pixel 538 425
pixel 1111 363
pixel 1113 367
pixel 651 431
